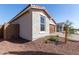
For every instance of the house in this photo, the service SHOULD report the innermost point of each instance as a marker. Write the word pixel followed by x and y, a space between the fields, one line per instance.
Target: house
pixel 60 27
pixel 76 31
pixel 31 23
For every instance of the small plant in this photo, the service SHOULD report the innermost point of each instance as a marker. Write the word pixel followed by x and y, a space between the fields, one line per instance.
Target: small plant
pixel 46 41
pixel 54 38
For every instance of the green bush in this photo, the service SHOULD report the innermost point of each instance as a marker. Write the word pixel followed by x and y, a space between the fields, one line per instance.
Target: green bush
pixel 54 38
pixel 72 31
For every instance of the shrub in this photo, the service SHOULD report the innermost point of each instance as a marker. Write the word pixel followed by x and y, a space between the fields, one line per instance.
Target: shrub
pixel 54 38
pixel 72 31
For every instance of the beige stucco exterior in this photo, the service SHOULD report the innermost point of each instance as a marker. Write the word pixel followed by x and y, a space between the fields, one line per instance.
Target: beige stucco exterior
pixel 25 22
pixel 30 25
pixel 11 31
pixel 52 22
pixel 36 33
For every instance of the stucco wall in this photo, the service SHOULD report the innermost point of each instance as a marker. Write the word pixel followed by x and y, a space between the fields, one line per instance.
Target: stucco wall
pixel 11 31
pixel 36 33
pixel 51 22
pixel 25 23
pixel 30 25
pixel 54 24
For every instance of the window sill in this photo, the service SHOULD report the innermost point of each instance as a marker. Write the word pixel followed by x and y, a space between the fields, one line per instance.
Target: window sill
pixel 42 31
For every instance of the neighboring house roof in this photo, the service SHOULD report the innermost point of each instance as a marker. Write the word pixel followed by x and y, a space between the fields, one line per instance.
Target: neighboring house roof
pixel 60 24
pixel 30 6
pixel 54 21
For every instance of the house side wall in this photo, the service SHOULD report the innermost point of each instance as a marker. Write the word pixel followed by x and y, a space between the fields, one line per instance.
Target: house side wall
pixel 25 22
pixel 11 31
pixel 53 26
pixel 51 22
pixel 36 25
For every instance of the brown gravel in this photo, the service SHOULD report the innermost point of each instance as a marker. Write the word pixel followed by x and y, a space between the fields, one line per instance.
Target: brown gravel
pixel 39 47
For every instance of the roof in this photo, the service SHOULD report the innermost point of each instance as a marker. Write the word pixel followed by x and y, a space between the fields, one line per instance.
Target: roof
pixel 61 24
pixel 30 6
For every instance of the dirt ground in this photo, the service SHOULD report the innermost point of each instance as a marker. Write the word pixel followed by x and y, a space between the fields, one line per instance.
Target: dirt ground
pixel 39 47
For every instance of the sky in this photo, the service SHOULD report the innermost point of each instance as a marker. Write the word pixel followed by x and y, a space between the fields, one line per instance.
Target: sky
pixel 60 12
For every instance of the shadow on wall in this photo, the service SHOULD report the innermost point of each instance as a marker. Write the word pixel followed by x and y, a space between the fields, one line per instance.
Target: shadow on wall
pixel 32 53
pixel 1 31
pixel 11 34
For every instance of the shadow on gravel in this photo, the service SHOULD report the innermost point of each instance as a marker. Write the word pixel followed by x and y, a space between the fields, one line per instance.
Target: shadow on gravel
pixel 59 43
pixel 33 53
pixel 1 39
pixel 18 41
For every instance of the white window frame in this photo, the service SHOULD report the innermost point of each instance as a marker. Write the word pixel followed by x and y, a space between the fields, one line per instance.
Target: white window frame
pixel 44 24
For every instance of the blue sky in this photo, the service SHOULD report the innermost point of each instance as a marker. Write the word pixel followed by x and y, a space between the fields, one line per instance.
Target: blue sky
pixel 60 12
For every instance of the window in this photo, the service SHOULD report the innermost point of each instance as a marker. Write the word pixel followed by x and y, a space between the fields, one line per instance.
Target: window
pixel 42 23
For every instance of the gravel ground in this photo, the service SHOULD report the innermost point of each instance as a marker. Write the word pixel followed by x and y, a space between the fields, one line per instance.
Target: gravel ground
pixel 39 47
